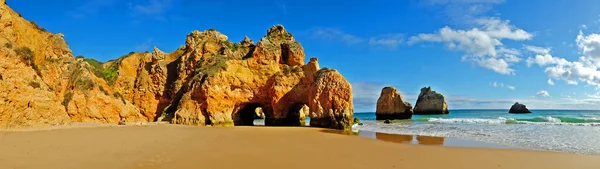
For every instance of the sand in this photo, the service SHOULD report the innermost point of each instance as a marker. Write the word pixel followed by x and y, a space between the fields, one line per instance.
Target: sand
pixel 183 147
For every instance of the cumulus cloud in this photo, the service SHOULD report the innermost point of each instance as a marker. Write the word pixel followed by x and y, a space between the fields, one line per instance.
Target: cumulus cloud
pixel 546 59
pixel 550 82
pixel 511 87
pixel 543 93
pixel 589 45
pixel 482 44
pixel 537 50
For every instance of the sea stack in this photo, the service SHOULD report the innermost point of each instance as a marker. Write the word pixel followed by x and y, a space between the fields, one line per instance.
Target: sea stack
pixel 390 105
pixel 430 102
pixel 518 108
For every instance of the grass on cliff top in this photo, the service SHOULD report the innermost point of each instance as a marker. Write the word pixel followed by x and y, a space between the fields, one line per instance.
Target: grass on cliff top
pixel 110 73
pixel 211 66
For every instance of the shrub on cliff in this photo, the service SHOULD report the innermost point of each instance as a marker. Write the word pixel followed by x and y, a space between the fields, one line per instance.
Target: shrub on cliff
pixel 34 84
pixel 8 45
pixel 28 57
pixel 84 84
pixel 98 69
pixel 110 75
pixel 67 98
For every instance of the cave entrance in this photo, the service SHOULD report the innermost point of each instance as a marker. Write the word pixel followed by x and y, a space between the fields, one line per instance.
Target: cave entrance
pixel 248 114
pixel 296 115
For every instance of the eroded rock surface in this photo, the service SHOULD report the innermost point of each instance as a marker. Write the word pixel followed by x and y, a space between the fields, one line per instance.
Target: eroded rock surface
pixel 518 108
pixel 390 105
pixel 207 81
pixel 430 102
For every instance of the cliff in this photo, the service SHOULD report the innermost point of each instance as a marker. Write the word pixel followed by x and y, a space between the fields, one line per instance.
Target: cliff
pixel 207 81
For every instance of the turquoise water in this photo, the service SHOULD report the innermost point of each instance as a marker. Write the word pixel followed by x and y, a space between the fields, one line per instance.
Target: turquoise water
pixel 573 131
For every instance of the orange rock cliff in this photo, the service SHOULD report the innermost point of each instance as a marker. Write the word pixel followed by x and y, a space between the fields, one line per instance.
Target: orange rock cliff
pixel 208 81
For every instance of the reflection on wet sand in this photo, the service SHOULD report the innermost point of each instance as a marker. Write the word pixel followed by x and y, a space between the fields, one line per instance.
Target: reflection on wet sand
pixel 429 140
pixel 396 138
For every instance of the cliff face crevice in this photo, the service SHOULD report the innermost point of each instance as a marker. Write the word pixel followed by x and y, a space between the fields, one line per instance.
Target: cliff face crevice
pixel 207 81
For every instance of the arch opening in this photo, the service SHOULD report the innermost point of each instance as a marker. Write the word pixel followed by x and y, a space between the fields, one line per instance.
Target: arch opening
pixel 248 114
pixel 296 115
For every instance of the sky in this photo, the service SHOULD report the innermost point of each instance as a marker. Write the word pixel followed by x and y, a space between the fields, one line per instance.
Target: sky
pixel 481 54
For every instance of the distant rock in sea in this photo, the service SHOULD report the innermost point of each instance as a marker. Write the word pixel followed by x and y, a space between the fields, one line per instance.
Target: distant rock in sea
pixel 391 106
pixel 430 102
pixel 518 108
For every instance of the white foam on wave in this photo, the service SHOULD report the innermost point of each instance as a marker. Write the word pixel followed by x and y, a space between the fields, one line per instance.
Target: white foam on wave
pixel 499 120
pixel 548 120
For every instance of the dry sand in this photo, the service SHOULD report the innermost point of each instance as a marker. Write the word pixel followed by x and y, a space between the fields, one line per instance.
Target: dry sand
pixel 183 147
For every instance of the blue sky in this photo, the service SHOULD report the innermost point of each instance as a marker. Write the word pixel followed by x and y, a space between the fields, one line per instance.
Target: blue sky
pixel 478 53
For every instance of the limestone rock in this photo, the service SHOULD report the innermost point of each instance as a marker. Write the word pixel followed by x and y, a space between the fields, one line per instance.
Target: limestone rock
pixel 26 100
pixel 51 86
pixel 518 108
pixel 208 81
pixel 390 105
pixel 430 102
pixel 330 97
pixel 224 89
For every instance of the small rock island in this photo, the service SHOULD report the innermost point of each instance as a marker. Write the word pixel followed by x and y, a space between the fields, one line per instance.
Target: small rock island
pixel 518 108
pixel 390 105
pixel 430 102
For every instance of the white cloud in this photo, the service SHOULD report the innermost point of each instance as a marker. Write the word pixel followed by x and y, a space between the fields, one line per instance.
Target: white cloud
pixel 511 87
pixel 572 82
pixel 546 59
pixel 336 34
pixel 543 93
pixel 390 41
pixel 502 85
pixel 583 26
pixel 483 44
pixel 589 45
pixel 550 82
pixel 593 95
pixel 537 50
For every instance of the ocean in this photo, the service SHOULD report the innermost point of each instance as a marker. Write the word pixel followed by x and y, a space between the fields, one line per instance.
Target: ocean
pixel 572 131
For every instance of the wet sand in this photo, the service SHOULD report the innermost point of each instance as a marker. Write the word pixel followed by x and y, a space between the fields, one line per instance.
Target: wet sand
pixel 429 140
pixel 184 147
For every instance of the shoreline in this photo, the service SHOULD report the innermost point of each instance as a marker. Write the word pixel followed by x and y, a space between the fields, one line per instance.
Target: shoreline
pixel 178 146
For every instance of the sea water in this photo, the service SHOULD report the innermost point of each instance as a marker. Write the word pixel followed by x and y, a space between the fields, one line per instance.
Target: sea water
pixel 573 131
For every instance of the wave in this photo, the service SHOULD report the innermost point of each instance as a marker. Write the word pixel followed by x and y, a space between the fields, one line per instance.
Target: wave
pixel 548 120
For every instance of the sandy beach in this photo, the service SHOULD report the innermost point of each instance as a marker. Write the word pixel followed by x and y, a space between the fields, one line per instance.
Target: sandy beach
pixel 182 147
